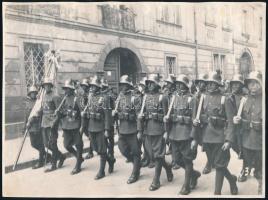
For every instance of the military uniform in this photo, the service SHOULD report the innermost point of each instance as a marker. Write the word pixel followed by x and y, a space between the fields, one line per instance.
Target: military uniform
pixel 251 129
pixel 34 129
pixel 128 106
pixel 70 119
pixel 98 120
pixel 180 135
pixel 111 101
pixel 214 119
pixel 50 128
pixel 82 103
pixel 156 106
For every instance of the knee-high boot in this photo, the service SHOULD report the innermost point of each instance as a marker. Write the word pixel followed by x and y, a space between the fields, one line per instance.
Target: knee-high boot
pixel 136 170
pixel 79 159
pixel 208 166
pixel 232 181
pixel 188 173
pixel 101 173
pixel 219 181
pixel 156 181
pixel 168 168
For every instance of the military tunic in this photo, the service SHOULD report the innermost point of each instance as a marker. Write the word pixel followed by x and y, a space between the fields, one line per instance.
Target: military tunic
pixel 214 108
pixel 98 121
pixel 156 106
pixel 251 128
pixel 71 121
pixel 49 105
pixel 181 126
pixel 128 108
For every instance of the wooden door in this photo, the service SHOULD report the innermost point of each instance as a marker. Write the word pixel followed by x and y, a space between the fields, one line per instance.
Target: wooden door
pixel 112 69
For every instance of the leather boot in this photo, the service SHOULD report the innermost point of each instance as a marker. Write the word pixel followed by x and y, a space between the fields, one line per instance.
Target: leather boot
pixel 77 167
pixel 168 168
pixel 79 160
pixel 207 168
pixel 40 162
pixel 156 181
pixel 53 165
pixel 218 181
pixel 194 178
pixel 62 158
pixel 136 171
pixel 101 172
pixel 111 161
pixel 232 179
pixel 185 190
pixel 151 164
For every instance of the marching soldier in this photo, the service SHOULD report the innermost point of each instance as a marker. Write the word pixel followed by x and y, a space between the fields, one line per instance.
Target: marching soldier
pixel 201 86
pixel 145 161
pixel 236 86
pixel 215 139
pixel 156 106
pixel 70 119
pixel 180 130
pixel 49 125
pixel 97 117
pixel 250 123
pixel 126 112
pixel 83 100
pixel 106 91
pixel 170 89
pixel 34 128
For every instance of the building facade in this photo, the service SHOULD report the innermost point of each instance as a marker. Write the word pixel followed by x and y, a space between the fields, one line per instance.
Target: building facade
pixel 127 38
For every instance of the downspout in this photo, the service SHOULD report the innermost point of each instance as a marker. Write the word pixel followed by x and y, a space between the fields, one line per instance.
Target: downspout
pixel 196 45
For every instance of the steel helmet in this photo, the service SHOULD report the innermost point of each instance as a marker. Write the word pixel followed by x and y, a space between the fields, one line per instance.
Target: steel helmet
pixel 237 78
pixel 201 77
pixel 214 77
pixel 254 75
pixel 154 78
pixel 96 81
pixel 69 84
pixel 32 89
pixel 104 82
pixel 85 82
pixel 182 78
pixel 125 79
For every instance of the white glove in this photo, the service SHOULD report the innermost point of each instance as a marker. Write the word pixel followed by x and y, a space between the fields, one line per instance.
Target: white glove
pixel 237 120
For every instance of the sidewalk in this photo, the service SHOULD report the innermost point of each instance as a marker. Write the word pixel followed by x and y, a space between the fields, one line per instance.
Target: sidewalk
pixel 29 154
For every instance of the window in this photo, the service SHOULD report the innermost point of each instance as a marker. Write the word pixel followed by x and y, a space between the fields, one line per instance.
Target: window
pixel 210 13
pixel 219 61
pixel 34 62
pixel 226 21
pixel 171 64
pixel 260 27
pixel 169 14
pixel 216 61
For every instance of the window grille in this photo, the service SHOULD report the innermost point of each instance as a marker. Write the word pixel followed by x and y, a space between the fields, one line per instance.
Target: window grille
pixel 170 63
pixel 34 63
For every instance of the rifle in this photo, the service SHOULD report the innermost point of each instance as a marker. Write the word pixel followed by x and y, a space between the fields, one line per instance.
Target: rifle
pixel 239 136
pixel 199 107
pixel 169 111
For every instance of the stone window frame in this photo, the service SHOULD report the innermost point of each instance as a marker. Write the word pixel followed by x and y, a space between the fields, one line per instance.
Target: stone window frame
pixel 172 55
pixel 23 40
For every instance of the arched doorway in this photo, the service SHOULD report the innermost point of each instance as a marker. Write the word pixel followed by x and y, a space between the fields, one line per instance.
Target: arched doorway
pixel 121 61
pixel 245 64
